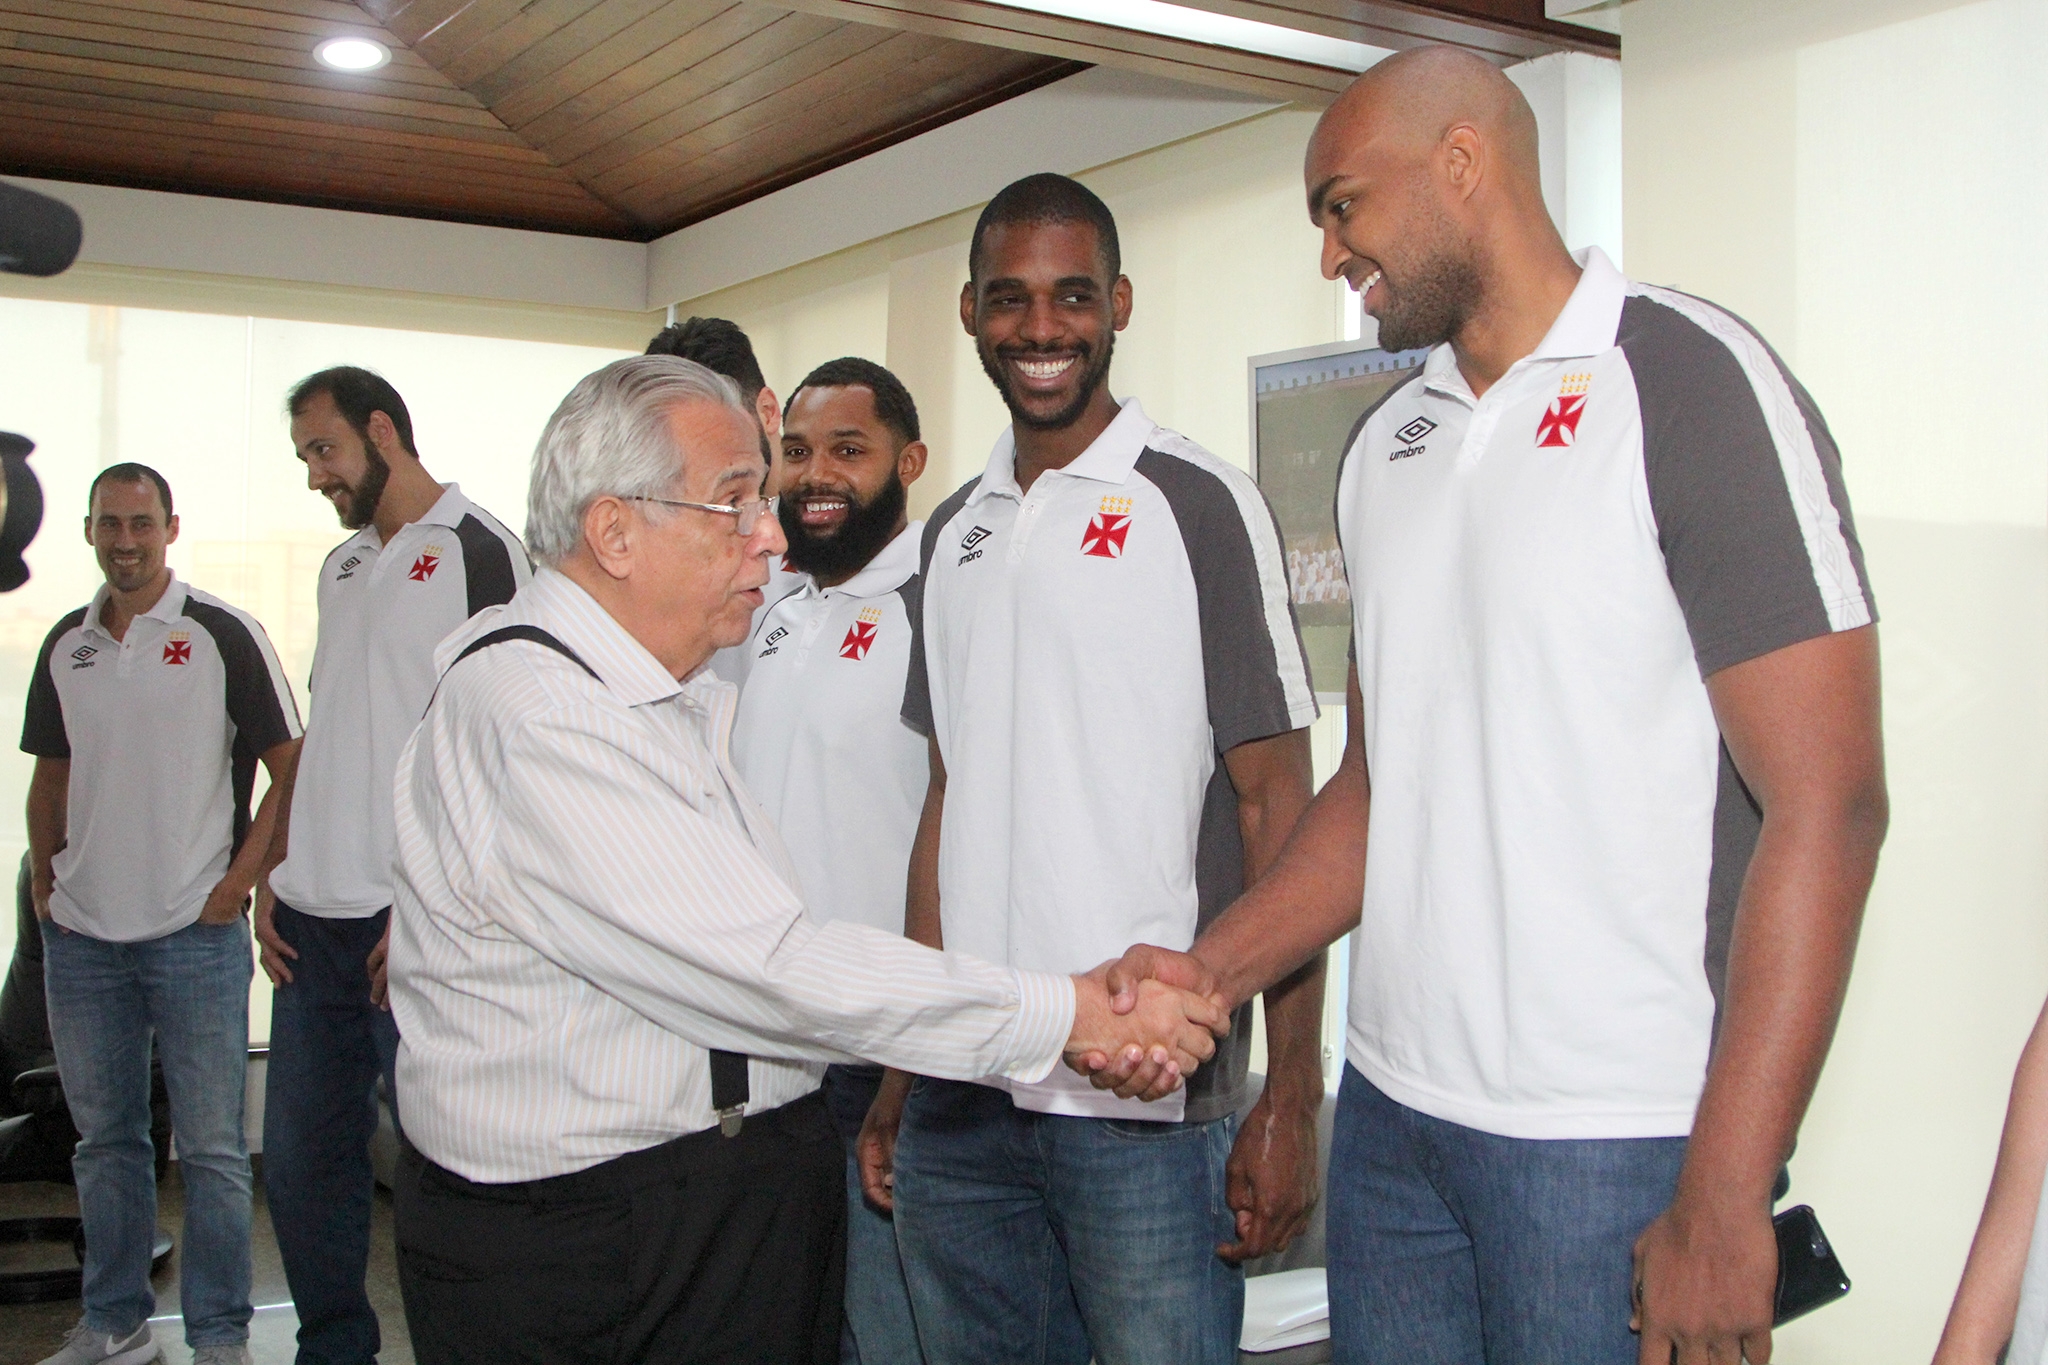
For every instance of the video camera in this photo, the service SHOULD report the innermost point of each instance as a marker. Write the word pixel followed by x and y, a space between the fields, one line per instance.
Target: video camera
pixel 38 236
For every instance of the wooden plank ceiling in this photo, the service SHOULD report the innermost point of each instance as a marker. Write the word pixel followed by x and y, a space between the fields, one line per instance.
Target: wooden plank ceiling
pixel 617 118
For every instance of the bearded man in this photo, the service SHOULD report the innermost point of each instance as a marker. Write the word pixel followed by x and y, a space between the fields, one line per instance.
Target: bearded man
pixel 422 561
pixel 819 740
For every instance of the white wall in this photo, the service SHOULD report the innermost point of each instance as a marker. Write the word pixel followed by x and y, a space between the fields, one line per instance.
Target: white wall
pixel 1858 178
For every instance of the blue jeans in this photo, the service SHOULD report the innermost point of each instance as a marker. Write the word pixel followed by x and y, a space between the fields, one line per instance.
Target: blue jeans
pixel 1040 1239
pixel 1449 1246
pixel 879 1327
pixel 328 1045
pixel 191 988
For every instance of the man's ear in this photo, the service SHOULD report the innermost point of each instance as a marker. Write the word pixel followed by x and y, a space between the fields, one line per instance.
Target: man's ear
pixel 171 529
pixel 1120 303
pixel 609 533
pixel 967 307
pixel 384 433
pixel 910 462
pixel 1465 156
pixel 769 411
pixel 88 528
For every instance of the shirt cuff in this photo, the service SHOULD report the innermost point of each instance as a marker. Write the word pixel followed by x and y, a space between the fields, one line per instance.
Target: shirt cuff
pixel 1045 1020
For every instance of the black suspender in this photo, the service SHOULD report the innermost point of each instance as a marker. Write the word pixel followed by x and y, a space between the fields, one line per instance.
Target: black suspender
pixel 729 1090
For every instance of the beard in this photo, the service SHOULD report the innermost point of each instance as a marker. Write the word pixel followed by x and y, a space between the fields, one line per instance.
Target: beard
pixel 1094 370
pixel 859 538
pixel 1432 305
pixel 364 497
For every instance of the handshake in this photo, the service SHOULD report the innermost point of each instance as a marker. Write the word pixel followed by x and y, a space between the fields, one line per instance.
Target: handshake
pixel 1145 1021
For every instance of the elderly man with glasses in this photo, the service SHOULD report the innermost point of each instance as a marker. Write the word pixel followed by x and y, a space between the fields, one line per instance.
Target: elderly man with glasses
pixel 614 1008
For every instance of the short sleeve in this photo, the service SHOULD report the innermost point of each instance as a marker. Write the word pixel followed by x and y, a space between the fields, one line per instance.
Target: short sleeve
pixel 1254 667
pixel 917 684
pixel 259 698
pixel 1745 485
pixel 42 722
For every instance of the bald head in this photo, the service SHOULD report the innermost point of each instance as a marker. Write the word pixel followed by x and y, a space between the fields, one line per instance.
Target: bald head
pixel 1408 103
pixel 1424 179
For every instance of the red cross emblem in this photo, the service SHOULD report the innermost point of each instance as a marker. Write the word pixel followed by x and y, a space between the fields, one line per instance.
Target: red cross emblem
pixel 1560 425
pixel 1104 537
pixel 423 568
pixel 860 638
pixel 178 652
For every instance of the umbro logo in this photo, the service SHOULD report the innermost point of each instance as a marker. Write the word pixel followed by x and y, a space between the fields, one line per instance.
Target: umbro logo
pixel 774 641
pixel 349 567
pixel 84 655
pixel 1411 437
pixel 972 539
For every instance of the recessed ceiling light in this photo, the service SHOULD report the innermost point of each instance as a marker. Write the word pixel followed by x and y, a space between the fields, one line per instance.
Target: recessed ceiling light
pixel 352 54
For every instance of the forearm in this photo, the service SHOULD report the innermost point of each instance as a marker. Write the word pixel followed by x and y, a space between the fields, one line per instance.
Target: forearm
pixel 1308 899
pixel 248 862
pixel 921 899
pixel 1788 970
pixel 276 840
pixel 921 904
pixel 46 816
pixel 1294 1035
pixel 1987 1301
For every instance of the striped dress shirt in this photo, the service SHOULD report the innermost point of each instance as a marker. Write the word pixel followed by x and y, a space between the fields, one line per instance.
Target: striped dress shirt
pixel 588 900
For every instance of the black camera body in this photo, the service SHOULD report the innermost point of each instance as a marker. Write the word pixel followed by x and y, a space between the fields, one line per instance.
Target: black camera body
pixel 38 236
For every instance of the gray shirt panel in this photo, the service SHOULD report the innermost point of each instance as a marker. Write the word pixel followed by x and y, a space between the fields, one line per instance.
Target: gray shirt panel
pixel 1725 521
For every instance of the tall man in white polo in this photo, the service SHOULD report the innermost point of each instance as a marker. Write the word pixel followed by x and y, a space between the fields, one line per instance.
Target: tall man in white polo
pixel 424 559
pixel 1117 700
pixel 613 1002
pixel 1614 788
pixel 820 739
pixel 148 712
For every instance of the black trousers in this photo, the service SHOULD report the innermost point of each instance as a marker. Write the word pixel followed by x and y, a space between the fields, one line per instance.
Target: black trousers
pixel 705 1249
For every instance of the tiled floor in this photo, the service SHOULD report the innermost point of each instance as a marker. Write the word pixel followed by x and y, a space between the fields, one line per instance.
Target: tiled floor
pixel 28 1332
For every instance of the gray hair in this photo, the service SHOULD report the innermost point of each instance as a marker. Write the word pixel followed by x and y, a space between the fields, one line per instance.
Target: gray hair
pixel 611 437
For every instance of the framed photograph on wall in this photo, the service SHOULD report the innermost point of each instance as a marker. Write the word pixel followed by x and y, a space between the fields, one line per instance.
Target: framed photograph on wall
pixel 1303 405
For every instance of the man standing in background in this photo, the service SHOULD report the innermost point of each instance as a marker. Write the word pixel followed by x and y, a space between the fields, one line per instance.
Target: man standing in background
pixel 148 711
pixel 820 741
pixel 721 347
pixel 424 559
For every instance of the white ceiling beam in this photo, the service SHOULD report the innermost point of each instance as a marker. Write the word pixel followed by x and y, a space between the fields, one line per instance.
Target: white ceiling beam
pixel 1087 120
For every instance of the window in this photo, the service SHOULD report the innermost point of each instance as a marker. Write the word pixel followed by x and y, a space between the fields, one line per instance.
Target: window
pixel 200 398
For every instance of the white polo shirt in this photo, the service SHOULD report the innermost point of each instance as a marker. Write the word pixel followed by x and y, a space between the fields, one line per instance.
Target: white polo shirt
pixel 820 740
pixel 1541 579
pixel 1087 653
pixel 163 729
pixel 383 609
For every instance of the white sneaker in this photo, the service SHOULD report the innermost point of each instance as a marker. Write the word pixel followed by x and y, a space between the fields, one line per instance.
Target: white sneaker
pixel 83 1346
pixel 234 1353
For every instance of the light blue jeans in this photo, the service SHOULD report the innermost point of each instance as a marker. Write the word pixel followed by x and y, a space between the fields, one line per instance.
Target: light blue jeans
pixel 191 989
pixel 1040 1239
pixel 1451 1246
pixel 879 1328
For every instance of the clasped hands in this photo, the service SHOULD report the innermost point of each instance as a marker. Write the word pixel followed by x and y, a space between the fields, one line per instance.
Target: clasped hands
pixel 1144 1022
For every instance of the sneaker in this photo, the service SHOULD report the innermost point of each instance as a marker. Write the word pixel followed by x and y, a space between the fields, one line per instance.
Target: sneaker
pixel 83 1346
pixel 234 1353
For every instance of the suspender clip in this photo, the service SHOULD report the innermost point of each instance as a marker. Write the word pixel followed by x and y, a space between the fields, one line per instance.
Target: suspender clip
pixel 729 1120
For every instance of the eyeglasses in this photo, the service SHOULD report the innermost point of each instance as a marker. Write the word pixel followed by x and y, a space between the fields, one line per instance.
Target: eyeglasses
pixel 745 517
